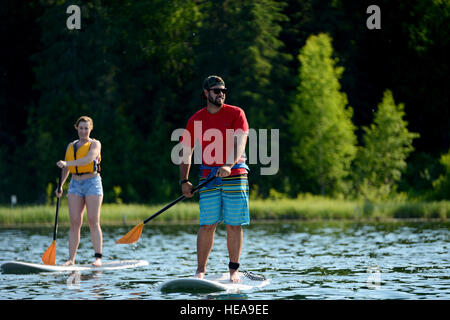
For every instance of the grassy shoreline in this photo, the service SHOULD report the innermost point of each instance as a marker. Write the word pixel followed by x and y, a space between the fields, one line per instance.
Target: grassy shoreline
pixel 310 209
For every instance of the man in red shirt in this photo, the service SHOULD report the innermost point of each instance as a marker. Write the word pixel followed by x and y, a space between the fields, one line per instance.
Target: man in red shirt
pixel 221 131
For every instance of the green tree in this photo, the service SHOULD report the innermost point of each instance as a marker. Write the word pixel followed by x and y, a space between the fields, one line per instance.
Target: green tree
pixel 124 68
pixel 442 184
pixel 387 143
pixel 320 121
pixel 75 75
pixel 154 66
pixel 239 40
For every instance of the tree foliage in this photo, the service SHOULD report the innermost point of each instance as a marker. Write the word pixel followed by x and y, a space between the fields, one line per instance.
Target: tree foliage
pixel 320 121
pixel 387 144
pixel 442 184
pixel 136 67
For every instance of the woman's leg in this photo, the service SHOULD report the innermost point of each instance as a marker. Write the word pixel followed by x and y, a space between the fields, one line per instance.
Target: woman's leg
pixel 76 208
pixel 93 205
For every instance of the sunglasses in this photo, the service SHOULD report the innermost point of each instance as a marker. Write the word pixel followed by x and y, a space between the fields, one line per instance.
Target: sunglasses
pixel 217 91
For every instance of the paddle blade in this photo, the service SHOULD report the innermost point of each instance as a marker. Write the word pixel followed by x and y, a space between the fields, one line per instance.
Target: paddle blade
pixel 133 235
pixel 49 256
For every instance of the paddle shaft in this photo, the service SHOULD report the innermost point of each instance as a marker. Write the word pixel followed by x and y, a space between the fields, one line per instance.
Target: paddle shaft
pixel 180 198
pixel 58 201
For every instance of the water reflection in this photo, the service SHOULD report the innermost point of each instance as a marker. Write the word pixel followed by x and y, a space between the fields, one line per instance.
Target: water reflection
pixel 73 281
pixel 89 282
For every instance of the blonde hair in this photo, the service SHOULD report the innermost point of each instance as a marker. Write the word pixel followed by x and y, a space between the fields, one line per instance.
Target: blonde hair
pixel 85 119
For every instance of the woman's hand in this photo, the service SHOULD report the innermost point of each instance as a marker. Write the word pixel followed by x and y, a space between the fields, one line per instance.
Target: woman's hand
pixel 58 192
pixel 61 164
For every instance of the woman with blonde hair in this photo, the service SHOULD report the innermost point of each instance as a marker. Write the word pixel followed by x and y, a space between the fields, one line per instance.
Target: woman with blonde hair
pixel 82 160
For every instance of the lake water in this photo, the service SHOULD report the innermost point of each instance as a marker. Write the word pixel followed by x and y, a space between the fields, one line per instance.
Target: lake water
pixel 304 260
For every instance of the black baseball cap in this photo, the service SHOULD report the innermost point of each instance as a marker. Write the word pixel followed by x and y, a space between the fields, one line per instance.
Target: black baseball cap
pixel 212 81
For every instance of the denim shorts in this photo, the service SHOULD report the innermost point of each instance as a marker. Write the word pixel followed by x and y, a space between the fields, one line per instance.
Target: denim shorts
pixel 88 187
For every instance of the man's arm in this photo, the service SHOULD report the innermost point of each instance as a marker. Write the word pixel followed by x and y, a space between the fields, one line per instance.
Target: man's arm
pixel 185 166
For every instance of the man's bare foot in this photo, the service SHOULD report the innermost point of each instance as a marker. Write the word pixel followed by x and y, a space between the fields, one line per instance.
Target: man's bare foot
pixel 69 263
pixel 199 275
pixel 97 262
pixel 235 276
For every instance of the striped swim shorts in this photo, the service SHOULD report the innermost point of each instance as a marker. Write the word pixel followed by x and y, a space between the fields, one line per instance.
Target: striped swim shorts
pixel 227 202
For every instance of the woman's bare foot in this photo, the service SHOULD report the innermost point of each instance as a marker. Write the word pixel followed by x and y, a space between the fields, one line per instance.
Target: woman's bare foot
pixel 69 263
pixel 97 262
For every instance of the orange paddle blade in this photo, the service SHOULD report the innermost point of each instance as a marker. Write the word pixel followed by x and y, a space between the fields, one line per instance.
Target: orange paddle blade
pixel 133 235
pixel 49 256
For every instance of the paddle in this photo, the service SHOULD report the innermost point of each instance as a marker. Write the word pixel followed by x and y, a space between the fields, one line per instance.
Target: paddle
pixel 49 256
pixel 134 234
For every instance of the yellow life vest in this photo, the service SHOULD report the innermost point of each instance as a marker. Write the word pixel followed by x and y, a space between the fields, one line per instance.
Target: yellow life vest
pixel 74 153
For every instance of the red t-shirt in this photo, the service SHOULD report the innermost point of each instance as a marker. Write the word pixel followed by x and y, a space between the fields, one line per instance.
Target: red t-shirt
pixel 214 132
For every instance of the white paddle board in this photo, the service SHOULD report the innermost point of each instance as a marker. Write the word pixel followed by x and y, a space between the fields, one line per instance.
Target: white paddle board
pixel 18 267
pixel 213 283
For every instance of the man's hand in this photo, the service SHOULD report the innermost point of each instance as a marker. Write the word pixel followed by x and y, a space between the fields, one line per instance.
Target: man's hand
pixel 224 171
pixel 186 188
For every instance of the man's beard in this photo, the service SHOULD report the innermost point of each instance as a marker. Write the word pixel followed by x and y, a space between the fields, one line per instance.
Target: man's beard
pixel 214 102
